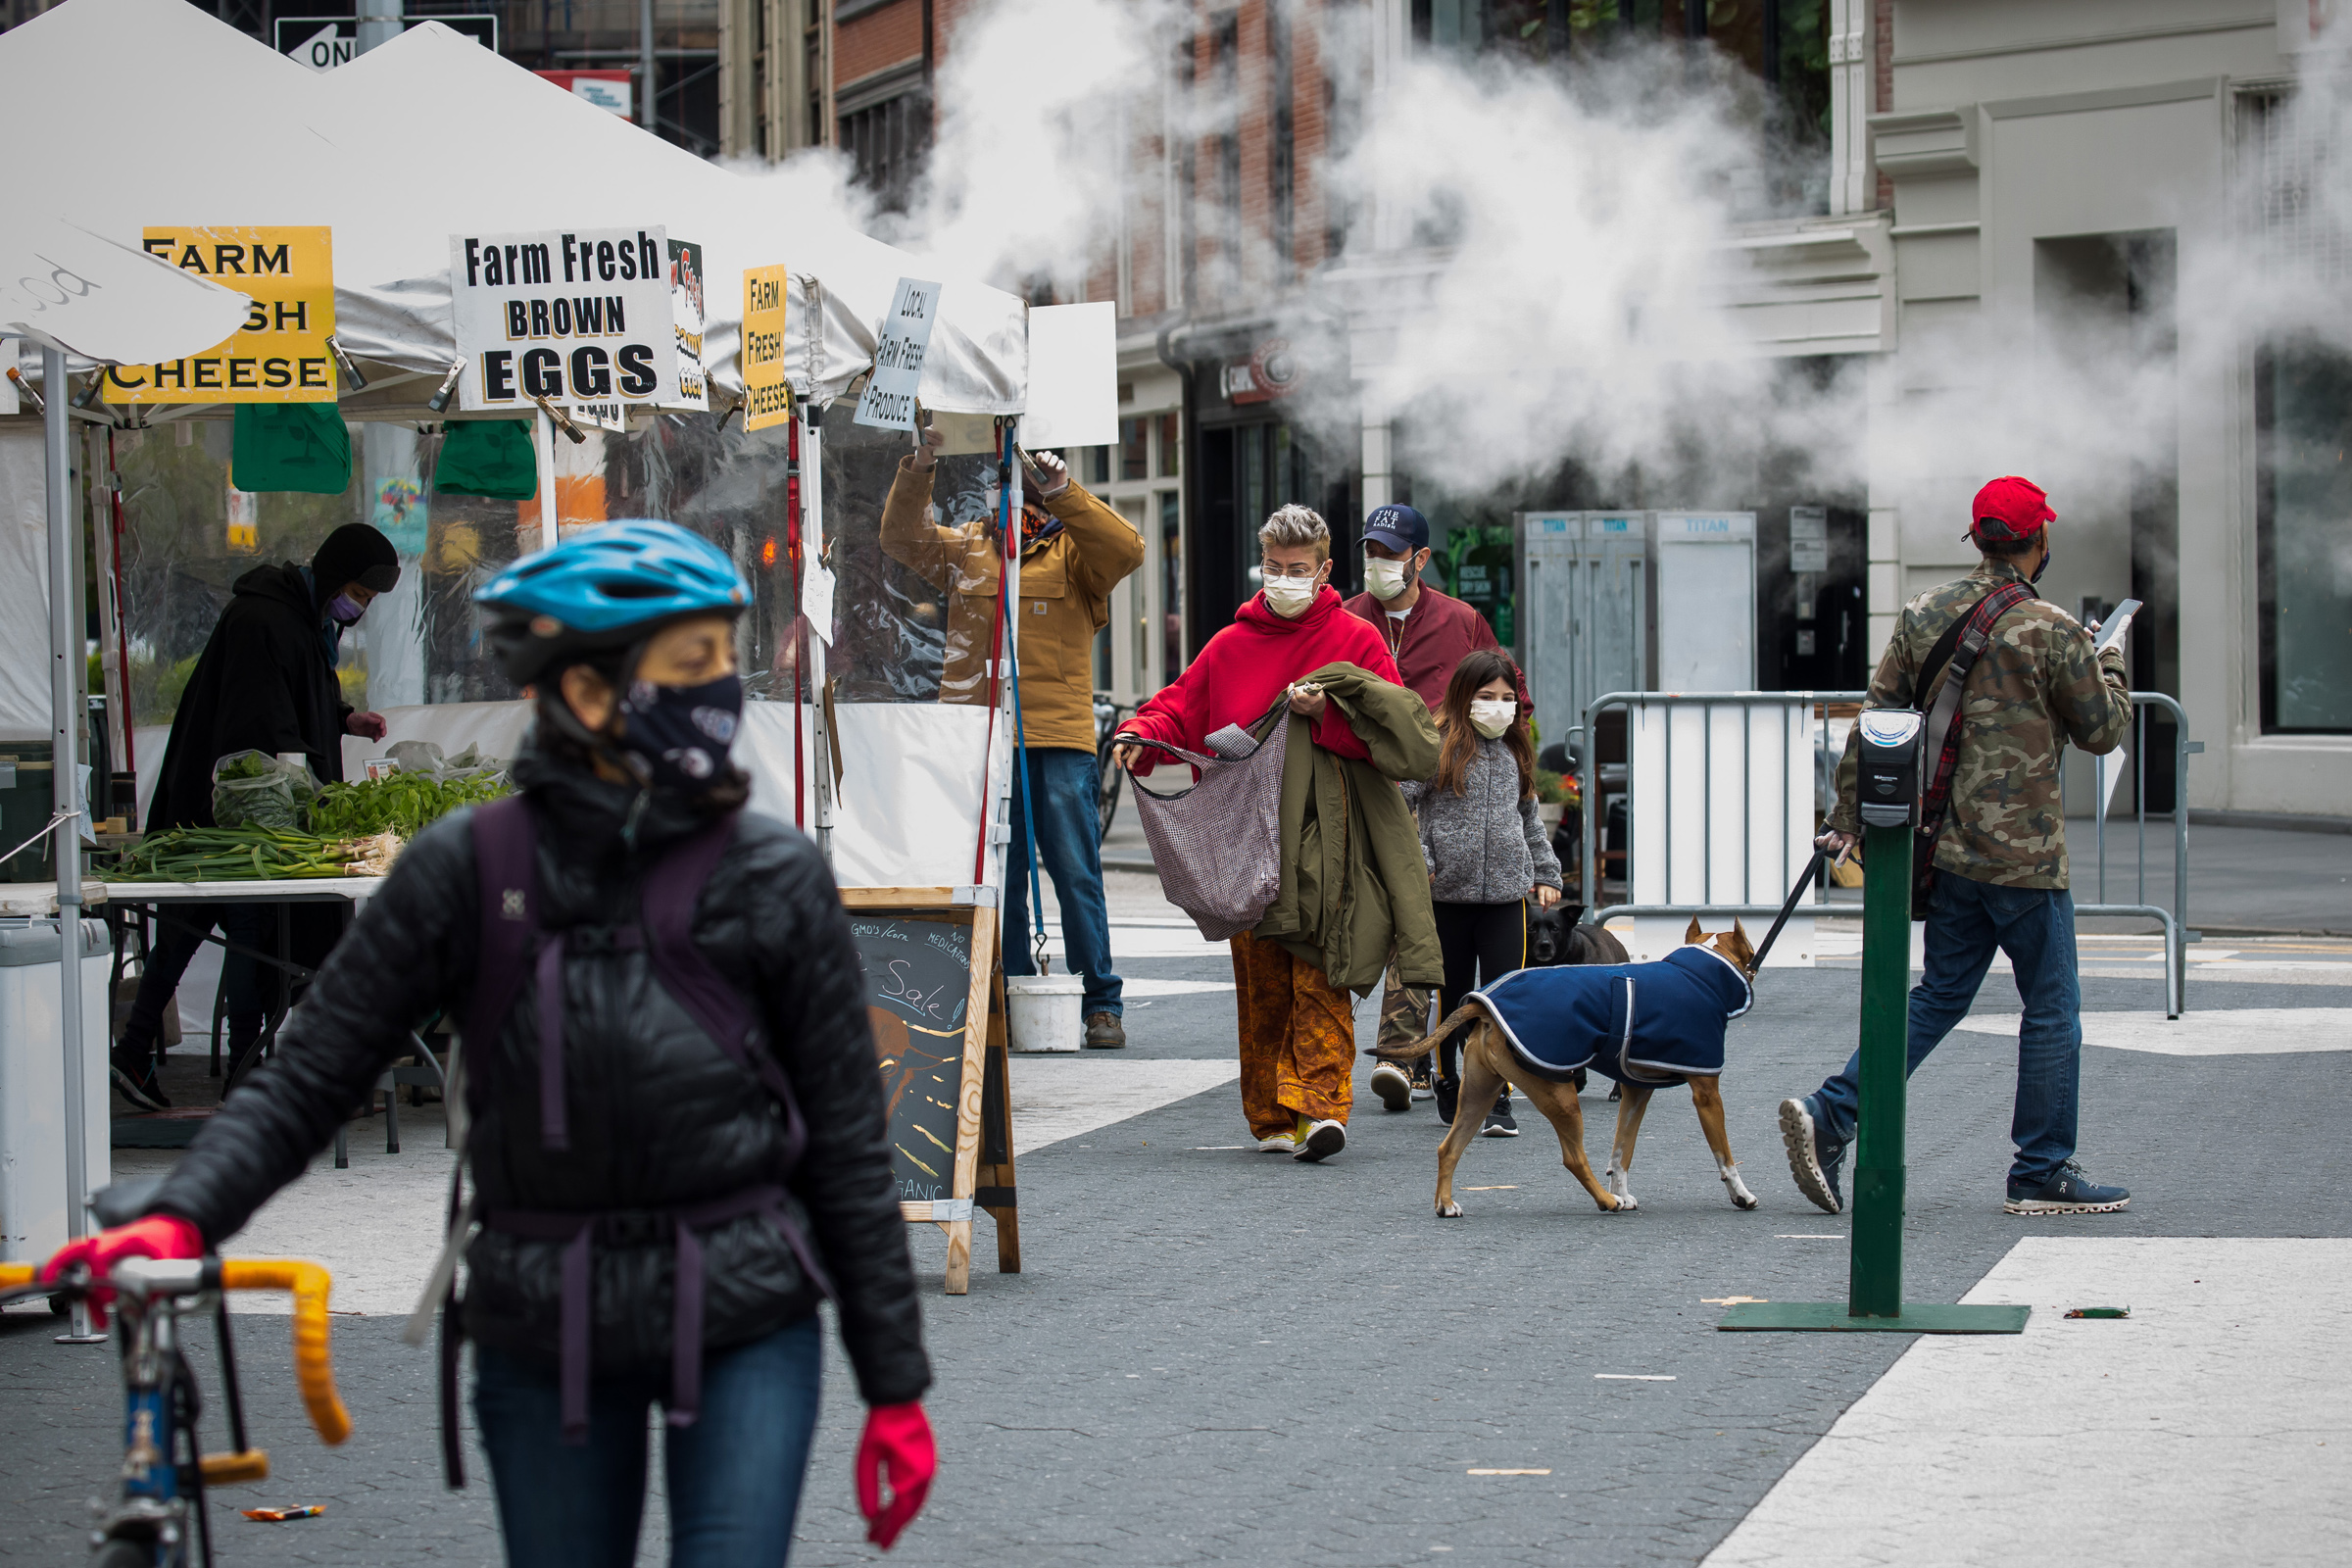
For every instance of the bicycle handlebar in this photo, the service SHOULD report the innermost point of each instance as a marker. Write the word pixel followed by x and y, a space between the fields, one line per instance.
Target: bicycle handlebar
pixel 314 1371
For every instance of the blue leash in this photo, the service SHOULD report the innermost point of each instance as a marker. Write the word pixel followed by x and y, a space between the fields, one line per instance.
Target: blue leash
pixel 1007 592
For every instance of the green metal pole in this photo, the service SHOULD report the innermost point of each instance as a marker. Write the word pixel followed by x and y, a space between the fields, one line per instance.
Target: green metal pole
pixel 1874 1285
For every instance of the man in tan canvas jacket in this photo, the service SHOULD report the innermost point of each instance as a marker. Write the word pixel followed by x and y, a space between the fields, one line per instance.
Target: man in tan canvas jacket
pixel 2000 859
pixel 1074 550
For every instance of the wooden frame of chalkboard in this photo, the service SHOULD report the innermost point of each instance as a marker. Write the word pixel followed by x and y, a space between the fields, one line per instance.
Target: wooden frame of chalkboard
pixel 933 968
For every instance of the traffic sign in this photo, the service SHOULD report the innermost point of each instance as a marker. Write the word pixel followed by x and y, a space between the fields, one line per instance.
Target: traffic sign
pixel 325 42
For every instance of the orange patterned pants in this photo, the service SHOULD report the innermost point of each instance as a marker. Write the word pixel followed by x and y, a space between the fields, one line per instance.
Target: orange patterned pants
pixel 1297 1039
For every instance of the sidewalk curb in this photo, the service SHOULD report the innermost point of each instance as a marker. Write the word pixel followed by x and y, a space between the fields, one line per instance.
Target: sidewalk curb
pixel 1129 862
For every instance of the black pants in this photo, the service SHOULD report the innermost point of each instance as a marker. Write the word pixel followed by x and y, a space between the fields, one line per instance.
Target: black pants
pixel 180 929
pixel 1482 942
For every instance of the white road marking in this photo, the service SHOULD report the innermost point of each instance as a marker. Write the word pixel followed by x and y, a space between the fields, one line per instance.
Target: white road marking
pixel 2232 1032
pixel 2209 1427
pixel 1631 1377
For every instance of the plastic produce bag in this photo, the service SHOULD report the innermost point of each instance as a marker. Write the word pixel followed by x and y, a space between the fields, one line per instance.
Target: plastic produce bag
pixel 253 789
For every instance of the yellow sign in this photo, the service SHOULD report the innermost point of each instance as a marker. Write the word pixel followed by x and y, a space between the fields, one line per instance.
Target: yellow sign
pixel 280 353
pixel 767 400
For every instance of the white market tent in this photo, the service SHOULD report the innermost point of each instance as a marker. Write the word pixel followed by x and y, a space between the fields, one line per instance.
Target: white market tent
pixel 430 135
pixel 163 115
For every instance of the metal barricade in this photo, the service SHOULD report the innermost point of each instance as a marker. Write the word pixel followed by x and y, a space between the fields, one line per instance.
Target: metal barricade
pixel 1601 781
pixel 1728 738
pixel 2174 920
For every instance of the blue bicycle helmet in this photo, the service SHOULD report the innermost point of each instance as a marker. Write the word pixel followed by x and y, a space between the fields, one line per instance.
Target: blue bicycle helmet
pixel 605 592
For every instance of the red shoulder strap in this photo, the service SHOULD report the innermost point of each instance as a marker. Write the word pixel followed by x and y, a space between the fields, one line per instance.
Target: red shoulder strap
pixel 1944 719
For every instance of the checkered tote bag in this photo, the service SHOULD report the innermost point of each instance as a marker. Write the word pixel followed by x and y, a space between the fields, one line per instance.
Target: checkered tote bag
pixel 1219 842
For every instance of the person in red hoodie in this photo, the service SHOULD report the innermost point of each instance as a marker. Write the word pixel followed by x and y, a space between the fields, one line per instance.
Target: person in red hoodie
pixel 1428 633
pixel 1297 1029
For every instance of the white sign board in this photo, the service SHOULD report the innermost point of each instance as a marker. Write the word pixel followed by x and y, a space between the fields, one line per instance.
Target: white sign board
pixel 1808 538
pixel 572 316
pixel 898 348
pixel 1073 377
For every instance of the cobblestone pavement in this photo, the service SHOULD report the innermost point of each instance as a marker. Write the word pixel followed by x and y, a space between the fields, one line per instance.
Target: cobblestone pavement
pixel 1317 1363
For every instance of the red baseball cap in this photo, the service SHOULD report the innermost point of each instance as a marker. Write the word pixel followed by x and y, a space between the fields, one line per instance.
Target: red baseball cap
pixel 2009 507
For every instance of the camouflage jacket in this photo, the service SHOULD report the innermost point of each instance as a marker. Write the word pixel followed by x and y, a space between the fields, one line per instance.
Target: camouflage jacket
pixel 2036 686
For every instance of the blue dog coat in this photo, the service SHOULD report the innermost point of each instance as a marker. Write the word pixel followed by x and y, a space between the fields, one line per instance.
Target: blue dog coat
pixel 1638 1023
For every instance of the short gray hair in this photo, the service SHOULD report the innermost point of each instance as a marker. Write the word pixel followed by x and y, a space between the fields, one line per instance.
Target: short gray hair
pixel 1295 525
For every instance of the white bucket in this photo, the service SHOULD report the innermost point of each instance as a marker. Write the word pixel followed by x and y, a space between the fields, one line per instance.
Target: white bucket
pixel 1042 1012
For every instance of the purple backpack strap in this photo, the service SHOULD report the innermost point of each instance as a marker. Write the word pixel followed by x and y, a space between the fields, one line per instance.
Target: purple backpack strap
pixel 668 902
pixel 506 869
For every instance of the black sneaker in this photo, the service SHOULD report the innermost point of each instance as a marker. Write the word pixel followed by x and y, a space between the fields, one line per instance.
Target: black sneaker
pixel 1448 1091
pixel 1498 1120
pixel 2069 1191
pixel 1813 1154
pixel 134 1078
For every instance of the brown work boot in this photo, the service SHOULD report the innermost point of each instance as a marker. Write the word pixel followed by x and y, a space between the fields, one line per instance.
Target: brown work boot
pixel 1105 1032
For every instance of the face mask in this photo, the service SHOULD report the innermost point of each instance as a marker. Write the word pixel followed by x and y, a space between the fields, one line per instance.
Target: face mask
pixel 679 735
pixel 1290 597
pixel 343 609
pixel 1386 579
pixel 1491 715
pixel 2045 566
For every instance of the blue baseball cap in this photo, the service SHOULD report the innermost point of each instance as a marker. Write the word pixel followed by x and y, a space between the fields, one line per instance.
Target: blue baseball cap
pixel 1401 529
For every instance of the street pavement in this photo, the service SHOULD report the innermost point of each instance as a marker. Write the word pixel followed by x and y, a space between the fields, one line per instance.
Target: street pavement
pixel 1321 1368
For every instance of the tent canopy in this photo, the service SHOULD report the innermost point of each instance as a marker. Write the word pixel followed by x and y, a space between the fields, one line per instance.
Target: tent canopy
pixel 430 135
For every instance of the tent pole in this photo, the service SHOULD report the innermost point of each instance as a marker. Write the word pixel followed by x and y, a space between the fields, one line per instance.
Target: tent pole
pixel 648 110
pixel 64 649
pixel 543 446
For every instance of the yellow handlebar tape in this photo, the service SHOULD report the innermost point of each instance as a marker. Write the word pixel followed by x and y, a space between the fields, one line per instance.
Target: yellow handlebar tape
pixel 313 1371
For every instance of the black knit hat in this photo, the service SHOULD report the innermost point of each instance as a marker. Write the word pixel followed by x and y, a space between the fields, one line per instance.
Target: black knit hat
pixel 355 553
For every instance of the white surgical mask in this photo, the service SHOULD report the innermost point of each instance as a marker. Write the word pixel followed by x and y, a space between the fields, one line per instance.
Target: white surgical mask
pixel 1491 715
pixel 1385 579
pixel 1290 597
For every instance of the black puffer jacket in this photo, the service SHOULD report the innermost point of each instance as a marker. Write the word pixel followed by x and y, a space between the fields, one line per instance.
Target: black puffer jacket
pixel 659 1115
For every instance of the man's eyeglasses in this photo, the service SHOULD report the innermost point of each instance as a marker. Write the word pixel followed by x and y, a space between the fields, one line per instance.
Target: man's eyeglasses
pixel 1297 573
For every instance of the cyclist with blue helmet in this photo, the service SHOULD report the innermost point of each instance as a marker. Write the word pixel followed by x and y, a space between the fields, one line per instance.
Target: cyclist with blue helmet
pixel 674 1129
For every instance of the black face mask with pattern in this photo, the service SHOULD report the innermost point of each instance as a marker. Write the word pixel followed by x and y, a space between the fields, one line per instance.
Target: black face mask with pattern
pixel 678 736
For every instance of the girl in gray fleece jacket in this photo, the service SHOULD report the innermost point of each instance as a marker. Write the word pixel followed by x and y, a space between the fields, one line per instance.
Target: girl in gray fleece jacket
pixel 1484 843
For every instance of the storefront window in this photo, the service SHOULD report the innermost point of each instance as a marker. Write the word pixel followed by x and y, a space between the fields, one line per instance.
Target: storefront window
pixel 1135 458
pixel 2304 524
pixel 1171 445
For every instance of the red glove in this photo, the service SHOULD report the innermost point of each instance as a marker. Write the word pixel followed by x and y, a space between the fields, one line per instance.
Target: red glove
pixel 157 1236
pixel 897 1444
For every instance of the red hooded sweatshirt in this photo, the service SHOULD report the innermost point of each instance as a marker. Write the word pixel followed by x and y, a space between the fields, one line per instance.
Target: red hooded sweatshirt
pixel 1234 679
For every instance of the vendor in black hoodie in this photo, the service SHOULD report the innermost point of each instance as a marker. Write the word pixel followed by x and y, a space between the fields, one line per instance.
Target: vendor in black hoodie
pixel 266 682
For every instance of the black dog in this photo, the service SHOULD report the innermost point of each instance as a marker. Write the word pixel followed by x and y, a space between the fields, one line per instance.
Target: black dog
pixel 1557 936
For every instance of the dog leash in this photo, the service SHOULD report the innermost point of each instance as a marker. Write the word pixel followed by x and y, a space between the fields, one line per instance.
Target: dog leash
pixel 1812 869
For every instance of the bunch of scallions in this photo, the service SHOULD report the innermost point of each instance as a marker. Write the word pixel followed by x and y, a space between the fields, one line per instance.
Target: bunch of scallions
pixel 251 854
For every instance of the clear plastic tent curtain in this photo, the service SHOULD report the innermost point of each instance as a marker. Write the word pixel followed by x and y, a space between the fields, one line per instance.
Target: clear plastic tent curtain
pixel 913 629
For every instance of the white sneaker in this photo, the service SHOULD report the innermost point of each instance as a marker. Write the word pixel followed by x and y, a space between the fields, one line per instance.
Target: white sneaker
pixel 1278 1143
pixel 1322 1141
pixel 1395 1089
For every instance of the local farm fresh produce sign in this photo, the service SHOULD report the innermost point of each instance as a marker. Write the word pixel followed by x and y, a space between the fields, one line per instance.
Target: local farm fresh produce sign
pixel 573 317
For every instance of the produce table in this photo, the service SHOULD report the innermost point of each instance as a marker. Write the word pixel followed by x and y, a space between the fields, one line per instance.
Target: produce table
pixel 126 901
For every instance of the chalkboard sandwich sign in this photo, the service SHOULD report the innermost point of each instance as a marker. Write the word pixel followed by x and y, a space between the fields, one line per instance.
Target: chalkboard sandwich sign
pixel 935 997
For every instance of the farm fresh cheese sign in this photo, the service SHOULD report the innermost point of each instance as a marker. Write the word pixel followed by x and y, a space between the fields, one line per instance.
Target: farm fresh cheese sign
pixel 573 317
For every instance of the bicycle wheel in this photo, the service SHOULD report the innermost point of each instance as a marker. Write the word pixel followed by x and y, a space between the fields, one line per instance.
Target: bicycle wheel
pixel 121 1554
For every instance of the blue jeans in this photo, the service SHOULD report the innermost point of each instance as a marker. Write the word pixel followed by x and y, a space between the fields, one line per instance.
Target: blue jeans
pixel 1066 790
pixel 734 1476
pixel 2035 926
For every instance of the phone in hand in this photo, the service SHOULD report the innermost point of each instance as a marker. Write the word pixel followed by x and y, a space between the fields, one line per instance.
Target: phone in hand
pixel 2118 622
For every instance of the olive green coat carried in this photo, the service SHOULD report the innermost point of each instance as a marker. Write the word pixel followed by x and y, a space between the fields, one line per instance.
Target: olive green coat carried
pixel 1354 885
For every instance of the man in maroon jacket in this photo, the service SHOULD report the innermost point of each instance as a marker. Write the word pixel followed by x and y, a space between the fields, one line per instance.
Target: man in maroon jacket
pixel 1427 633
